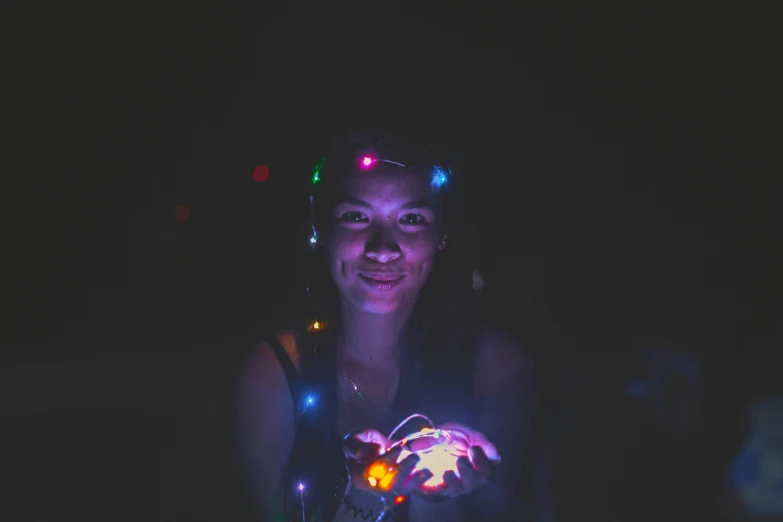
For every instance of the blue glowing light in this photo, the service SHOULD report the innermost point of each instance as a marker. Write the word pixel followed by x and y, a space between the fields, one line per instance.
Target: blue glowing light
pixel 439 177
pixel 310 399
pixel 756 474
pixel 301 487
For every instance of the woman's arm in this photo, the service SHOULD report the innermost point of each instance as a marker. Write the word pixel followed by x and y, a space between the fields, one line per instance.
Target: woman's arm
pixel 265 431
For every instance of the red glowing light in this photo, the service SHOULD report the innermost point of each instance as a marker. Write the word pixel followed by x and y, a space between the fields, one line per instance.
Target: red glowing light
pixel 261 173
pixel 399 500
pixel 182 212
pixel 367 161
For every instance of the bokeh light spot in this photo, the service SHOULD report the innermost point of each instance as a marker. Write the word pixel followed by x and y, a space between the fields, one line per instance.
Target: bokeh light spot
pixel 261 173
pixel 182 212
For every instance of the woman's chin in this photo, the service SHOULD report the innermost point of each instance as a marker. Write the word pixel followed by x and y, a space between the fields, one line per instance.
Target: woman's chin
pixel 380 307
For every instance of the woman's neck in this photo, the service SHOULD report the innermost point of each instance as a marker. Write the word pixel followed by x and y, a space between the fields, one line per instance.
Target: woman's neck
pixel 372 339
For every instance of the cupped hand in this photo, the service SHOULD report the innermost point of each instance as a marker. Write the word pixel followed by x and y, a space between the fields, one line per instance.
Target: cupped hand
pixel 364 452
pixel 476 458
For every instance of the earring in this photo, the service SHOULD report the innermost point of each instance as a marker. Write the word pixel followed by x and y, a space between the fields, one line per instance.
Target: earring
pixel 442 245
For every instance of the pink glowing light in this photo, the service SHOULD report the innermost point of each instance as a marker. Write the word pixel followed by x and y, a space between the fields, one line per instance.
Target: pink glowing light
pixel 367 161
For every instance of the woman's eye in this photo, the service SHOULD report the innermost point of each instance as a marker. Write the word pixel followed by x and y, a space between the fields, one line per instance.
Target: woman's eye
pixel 413 219
pixel 353 217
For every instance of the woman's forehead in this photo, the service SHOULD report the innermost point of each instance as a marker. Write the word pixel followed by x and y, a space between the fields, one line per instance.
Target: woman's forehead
pixel 410 184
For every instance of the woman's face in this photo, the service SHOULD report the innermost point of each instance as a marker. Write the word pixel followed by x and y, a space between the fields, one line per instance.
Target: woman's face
pixel 383 238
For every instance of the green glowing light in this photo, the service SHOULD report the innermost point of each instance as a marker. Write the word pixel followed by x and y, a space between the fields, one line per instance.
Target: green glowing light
pixel 317 172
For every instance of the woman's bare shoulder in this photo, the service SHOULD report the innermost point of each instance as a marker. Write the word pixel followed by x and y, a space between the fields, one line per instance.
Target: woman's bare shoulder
pixel 263 364
pixel 262 385
pixel 265 421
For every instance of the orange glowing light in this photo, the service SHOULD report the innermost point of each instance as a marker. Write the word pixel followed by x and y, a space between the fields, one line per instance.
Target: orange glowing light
pixel 399 500
pixel 385 483
pixel 316 326
pixel 381 475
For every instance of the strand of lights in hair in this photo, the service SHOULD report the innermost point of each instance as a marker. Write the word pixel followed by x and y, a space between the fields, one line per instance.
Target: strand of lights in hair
pixel 440 176
pixel 314 237
pixel 369 161
pixel 301 498
pixel 317 171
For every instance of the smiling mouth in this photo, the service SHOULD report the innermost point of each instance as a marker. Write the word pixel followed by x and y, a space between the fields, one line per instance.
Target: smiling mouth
pixel 382 282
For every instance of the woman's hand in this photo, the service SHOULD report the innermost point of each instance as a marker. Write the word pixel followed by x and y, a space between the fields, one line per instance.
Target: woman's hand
pixel 362 449
pixel 478 457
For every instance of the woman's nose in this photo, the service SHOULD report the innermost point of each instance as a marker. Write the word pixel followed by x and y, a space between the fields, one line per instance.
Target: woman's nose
pixel 382 246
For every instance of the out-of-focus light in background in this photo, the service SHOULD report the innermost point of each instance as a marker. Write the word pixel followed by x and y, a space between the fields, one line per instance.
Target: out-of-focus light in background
pixel 182 212
pixel 261 173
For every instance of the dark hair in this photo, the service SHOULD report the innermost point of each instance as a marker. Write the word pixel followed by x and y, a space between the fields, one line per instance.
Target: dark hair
pixel 438 351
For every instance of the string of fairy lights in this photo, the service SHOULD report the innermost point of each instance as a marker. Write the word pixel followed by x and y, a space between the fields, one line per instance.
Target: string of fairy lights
pixel 438 457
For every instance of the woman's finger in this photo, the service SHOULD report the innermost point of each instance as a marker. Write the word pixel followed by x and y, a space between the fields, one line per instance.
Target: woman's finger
pixel 479 460
pixel 406 466
pixel 468 476
pixel 416 480
pixel 363 444
pixel 391 456
pixel 454 485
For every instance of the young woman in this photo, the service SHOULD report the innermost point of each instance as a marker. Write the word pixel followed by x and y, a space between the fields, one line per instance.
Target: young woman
pixel 394 335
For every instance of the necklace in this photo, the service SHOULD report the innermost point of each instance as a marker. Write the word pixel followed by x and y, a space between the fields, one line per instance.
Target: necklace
pixel 344 364
pixel 361 395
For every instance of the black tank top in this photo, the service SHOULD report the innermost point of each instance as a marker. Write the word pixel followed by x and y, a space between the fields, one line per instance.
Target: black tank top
pixel 291 373
pixel 296 386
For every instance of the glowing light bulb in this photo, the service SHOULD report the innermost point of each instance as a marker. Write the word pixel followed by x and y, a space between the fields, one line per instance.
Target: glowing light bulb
pixel 301 487
pixel 310 399
pixel 439 177
pixel 367 161
pixel 438 461
pixel 438 458
pixel 313 240
pixel 316 325
pixel 381 475
pixel 317 171
pixel 399 500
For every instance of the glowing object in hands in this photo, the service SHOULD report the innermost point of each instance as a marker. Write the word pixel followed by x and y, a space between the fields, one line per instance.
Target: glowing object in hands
pixel 381 475
pixel 439 457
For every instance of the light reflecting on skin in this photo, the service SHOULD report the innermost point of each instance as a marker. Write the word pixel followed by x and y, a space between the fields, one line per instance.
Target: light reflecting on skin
pixel 439 459
pixel 384 226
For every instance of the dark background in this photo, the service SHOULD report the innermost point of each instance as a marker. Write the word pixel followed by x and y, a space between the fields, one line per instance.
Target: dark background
pixel 617 163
